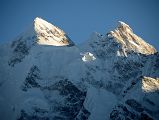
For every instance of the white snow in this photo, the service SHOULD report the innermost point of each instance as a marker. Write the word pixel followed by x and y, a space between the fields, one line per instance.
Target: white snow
pixel 88 57
pixel 150 84
pixel 100 103
pixel 48 34
pixel 55 59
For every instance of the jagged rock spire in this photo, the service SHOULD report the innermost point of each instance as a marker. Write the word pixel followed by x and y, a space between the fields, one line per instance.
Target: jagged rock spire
pixel 124 35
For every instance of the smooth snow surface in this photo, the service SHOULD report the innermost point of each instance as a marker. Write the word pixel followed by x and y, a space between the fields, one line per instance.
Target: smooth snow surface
pixel 99 102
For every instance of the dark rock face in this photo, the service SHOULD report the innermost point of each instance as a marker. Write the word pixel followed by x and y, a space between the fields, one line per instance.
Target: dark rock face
pixel 72 103
pixel 21 48
pixel 127 68
pixel 144 116
pixel 83 114
pixel 122 112
pixel 155 64
pixel 32 79
pixel 71 43
pixel 157 59
pixel 135 105
pixel 69 107
pixel 104 48
pixel 37 114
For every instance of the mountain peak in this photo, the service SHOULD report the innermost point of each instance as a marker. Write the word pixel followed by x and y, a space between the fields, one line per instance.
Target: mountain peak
pixel 41 23
pixel 124 35
pixel 48 34
pixel 124 27
pixel 38 19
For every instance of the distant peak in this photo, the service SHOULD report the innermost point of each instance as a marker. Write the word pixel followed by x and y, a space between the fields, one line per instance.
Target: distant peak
pixel 123 26
pixel 37 19
pixel 49 34
pixel 120 23
pixel 41 22
pixel 124 35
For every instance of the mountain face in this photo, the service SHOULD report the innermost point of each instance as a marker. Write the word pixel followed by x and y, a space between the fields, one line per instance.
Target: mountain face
pixel 45 76
pixel 48 34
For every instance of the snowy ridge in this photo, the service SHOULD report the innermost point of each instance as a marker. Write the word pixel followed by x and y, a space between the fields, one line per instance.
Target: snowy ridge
pixel 110 77
pixel 40 33
pixel 129 41
pixel 48 34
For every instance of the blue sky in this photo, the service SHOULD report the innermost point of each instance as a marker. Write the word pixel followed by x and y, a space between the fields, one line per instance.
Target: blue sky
pixel 79 18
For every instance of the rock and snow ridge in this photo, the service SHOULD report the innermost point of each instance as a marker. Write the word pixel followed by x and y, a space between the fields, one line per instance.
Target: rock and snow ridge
pixel 44 33
pixel 48 34
pixel 128 40
pixel 41 78
pixel 40 33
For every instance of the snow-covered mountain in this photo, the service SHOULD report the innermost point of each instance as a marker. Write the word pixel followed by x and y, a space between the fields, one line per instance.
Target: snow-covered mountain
pixel 45 76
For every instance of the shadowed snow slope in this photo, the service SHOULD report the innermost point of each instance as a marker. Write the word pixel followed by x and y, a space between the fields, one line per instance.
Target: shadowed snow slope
pixel 44 77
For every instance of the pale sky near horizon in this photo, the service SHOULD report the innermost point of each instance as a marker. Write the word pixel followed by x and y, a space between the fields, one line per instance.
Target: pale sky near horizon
pixel 79 18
